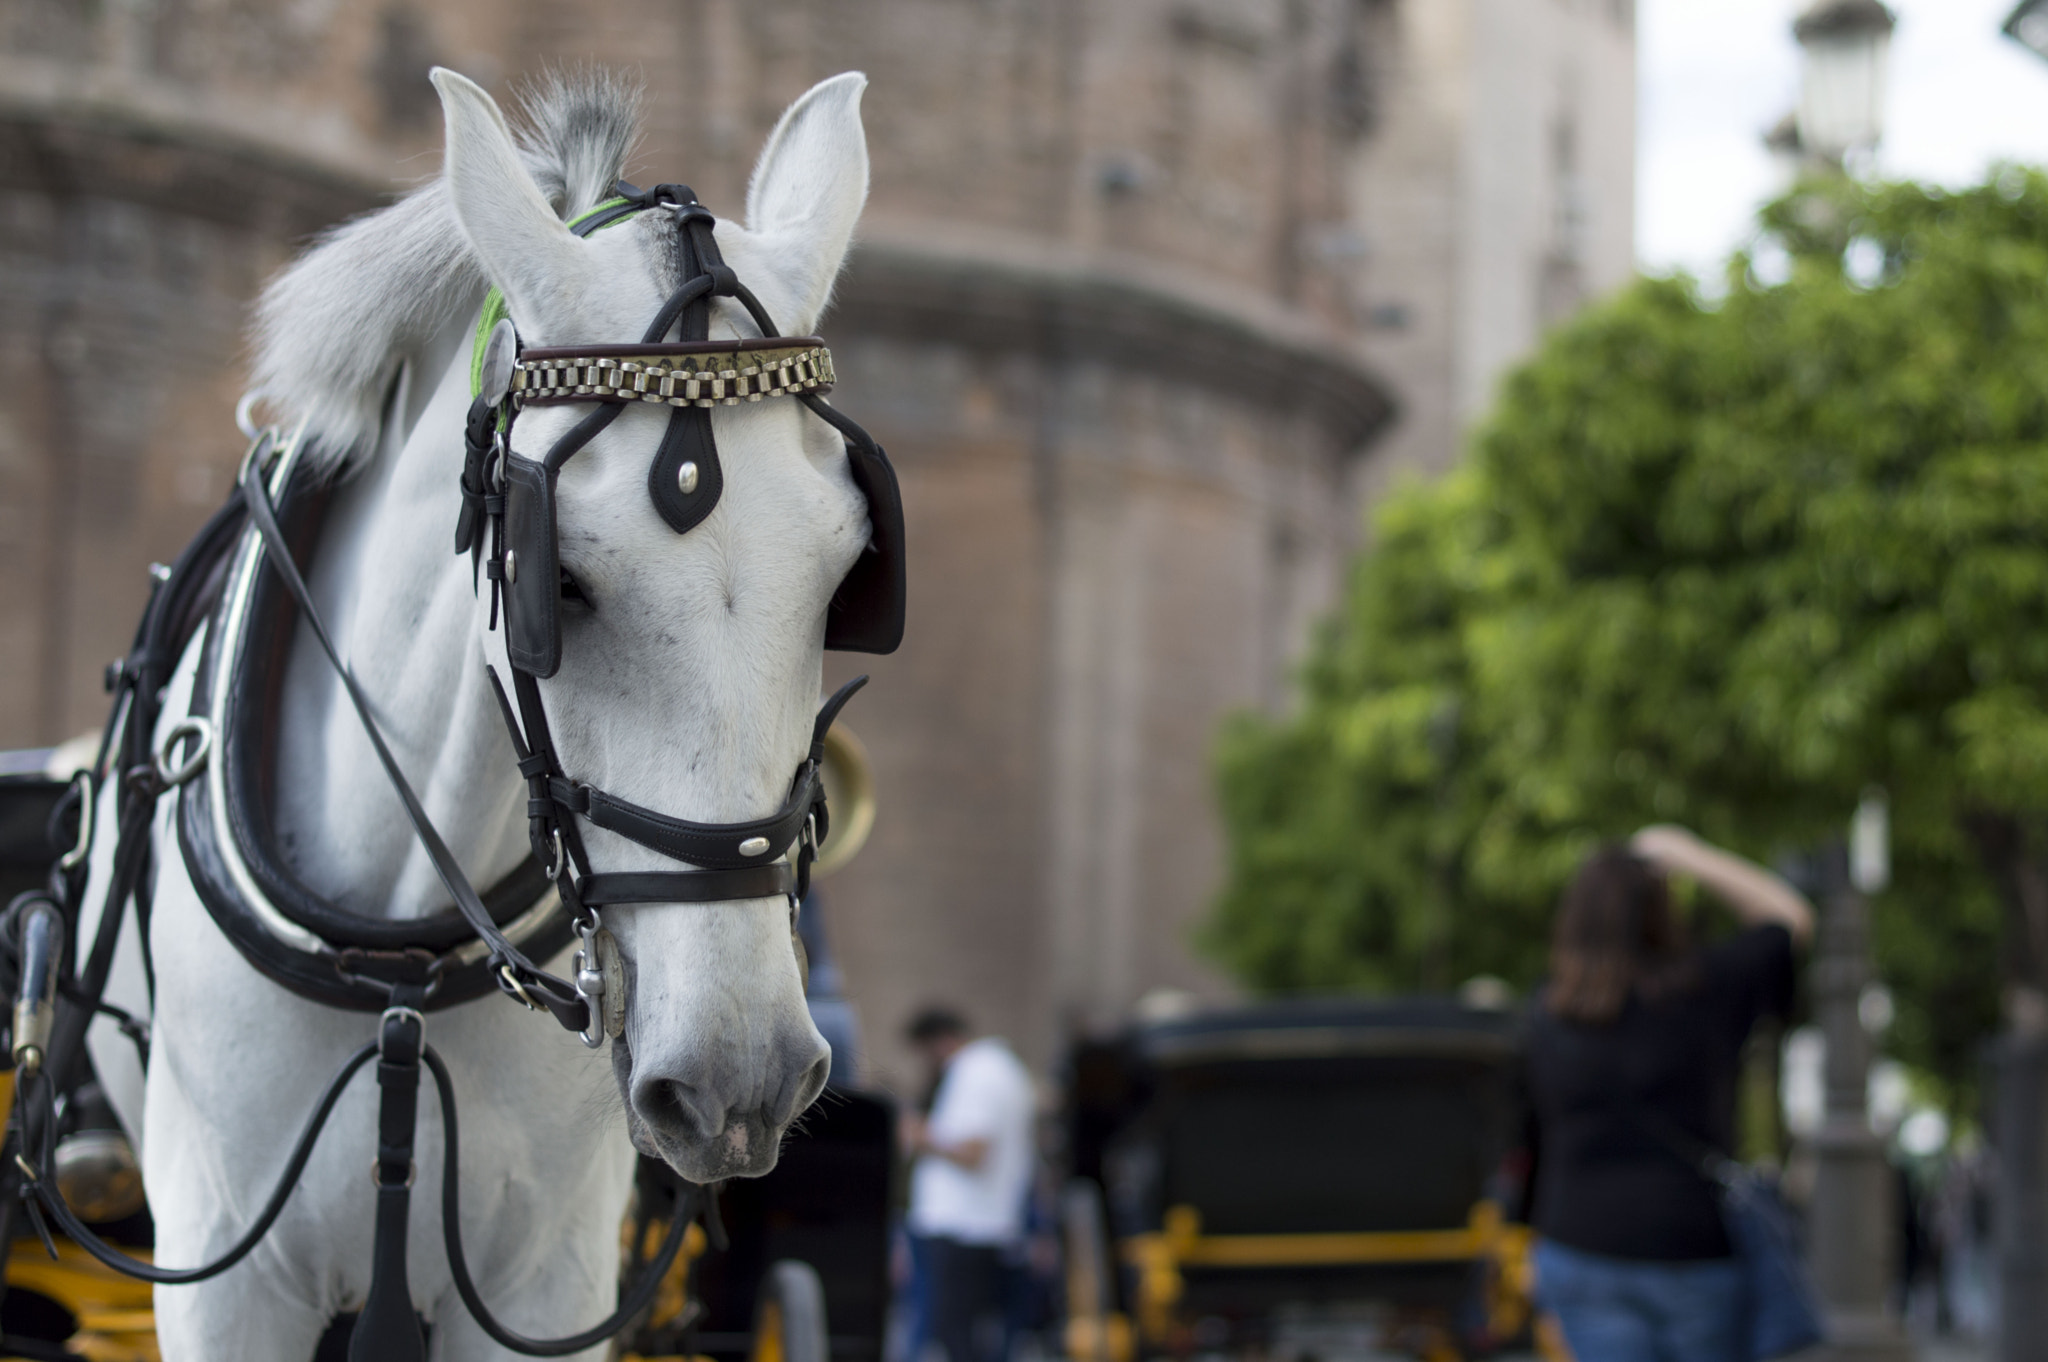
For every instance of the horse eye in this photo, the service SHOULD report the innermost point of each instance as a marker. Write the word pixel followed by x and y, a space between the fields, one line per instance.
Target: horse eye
pixel 571 590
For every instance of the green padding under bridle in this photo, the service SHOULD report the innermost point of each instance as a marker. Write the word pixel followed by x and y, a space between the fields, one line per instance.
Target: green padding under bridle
pixel 496 309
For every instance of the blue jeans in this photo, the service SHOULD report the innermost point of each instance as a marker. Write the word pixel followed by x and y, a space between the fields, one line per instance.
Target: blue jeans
pixel 916 1299
pixel 1635 1310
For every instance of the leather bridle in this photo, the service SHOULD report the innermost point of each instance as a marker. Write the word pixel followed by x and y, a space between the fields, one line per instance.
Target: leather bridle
pixel 508 499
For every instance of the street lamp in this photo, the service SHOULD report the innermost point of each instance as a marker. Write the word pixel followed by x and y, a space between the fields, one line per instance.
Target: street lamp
pixel 1841 94
pixel 2028 26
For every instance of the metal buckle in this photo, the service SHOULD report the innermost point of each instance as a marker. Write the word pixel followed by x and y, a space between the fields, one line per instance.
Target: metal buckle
pixel 518 989
pixel 412 1171
pixel 194 726
pixel 418 1019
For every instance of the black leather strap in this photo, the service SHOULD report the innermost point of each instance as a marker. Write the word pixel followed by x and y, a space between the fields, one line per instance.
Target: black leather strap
pixel 715 846
pixel 688 886
pixel 388 1330
pixel 688 438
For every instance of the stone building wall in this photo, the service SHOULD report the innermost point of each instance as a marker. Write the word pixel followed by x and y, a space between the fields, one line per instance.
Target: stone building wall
pixel 1496 196
pixel 1190 275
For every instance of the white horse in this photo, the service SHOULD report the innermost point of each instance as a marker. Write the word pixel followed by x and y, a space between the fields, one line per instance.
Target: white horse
pixel 690 678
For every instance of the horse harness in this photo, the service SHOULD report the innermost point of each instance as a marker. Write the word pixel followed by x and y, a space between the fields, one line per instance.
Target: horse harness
pixel 222 754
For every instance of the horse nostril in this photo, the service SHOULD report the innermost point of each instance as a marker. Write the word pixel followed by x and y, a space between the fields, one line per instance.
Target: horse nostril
pixel 798 1095
pixel 814 1081
pixel 675 1108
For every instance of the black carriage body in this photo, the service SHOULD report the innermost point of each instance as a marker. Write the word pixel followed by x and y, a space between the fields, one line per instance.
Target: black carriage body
pixel 1365 1134
pixel 826 1204
pixel 28 847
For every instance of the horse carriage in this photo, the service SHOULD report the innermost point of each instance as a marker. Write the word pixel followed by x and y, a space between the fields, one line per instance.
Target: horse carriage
pixel 1296 1179
pixel 330 729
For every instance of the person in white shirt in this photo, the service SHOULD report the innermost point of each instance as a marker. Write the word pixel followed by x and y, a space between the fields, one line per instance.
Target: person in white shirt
pixel 973 1170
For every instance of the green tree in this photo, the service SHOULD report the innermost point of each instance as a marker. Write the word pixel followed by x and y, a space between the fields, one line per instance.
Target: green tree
pixel 1722 563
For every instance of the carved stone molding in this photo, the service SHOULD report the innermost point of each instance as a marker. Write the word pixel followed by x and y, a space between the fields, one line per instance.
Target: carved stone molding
pixel 990 294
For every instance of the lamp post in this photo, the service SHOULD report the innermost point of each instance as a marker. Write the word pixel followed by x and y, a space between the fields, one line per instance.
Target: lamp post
pixel 1844 45
pixel 1852 1220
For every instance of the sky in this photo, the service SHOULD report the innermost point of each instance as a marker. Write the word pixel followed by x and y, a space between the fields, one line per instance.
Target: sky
pixel 1714 75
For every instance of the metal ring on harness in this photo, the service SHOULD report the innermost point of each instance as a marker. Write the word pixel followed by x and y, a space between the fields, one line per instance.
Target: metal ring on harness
pixel 193 726
pixel 74 858
pixel 558 860
pixel 245 413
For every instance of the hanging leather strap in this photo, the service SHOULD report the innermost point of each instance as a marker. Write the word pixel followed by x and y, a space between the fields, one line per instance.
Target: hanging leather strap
pixel 388 1330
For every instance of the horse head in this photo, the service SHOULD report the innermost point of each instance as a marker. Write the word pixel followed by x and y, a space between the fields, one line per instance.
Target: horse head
pixel 690 662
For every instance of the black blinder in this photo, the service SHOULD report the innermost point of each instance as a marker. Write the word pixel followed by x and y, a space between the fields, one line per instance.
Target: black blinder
pixel 532 569
pixel 866 614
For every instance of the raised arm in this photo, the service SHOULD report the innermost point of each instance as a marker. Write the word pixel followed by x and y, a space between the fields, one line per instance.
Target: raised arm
pixel 1752 893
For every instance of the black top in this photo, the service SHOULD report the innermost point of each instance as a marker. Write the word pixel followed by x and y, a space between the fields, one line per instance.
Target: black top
pixel 1606 1182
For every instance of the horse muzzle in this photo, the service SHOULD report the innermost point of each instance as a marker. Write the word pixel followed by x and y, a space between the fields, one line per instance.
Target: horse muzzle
pixel 687 1111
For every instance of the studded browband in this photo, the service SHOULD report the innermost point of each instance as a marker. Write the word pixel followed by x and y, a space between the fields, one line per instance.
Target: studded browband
pixel 681 374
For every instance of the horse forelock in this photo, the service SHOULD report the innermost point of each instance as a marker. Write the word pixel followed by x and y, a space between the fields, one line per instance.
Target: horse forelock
pixel 579 131
pixel 331 330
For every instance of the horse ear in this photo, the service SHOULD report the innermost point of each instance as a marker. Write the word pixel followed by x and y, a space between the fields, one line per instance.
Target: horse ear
pixel 807 193
pixel 525 249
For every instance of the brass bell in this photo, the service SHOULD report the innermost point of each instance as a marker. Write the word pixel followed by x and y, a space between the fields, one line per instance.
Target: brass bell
pixel 850 788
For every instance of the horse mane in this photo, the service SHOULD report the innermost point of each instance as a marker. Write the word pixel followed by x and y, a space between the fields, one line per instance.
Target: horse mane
pixel 331 330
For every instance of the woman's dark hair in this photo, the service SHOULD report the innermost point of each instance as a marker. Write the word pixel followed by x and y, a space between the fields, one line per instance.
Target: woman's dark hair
pixel 934 1023
pixel 1616 934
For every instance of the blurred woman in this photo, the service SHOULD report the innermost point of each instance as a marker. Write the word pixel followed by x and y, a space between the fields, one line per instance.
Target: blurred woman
pixel 1634 1056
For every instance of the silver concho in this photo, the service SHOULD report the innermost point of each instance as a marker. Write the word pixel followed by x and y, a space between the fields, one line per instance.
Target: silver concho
pixel 501 351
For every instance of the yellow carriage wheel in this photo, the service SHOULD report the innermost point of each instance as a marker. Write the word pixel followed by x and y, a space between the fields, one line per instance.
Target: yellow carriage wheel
pixel 789 1316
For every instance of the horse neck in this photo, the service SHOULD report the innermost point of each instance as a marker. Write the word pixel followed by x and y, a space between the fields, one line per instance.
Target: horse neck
pixel 403 613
